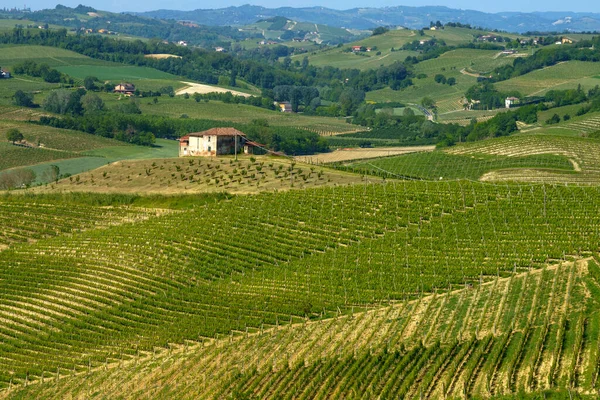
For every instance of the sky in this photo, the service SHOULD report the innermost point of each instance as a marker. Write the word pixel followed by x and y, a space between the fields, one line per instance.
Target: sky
pixel 148 5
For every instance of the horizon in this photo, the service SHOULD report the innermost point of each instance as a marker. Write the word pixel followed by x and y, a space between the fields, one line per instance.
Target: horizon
pixel 509 6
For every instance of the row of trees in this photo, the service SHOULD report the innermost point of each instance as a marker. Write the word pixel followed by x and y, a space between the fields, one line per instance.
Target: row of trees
pixel 44 71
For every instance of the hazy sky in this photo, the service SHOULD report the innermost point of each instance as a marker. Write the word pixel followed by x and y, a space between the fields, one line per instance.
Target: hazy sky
pixel 147 5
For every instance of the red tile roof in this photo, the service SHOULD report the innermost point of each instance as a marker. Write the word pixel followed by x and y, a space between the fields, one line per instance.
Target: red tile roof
pixel 219 132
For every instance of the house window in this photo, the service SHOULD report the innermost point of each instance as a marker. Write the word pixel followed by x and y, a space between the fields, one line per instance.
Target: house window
pixel 209 148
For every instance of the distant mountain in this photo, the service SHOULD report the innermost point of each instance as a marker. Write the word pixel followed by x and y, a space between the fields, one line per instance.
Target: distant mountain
pixel 411 17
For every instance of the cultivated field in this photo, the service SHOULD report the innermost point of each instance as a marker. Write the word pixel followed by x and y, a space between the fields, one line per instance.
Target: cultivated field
pixel 566 75
pixel 191 88
pixel 201 175
pixel 347 154
pixel 310 303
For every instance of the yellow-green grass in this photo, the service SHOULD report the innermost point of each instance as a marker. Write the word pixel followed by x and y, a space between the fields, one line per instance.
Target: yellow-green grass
pixel 337 57
pixel 14 113
pixel 447 98
pixel 450 64
pixel 566 75
pixel 203 175
pixel 57 139
pixel 474 60
pixel 570 110
pixel 8 24
pixel 238 113
pixel 78 67
pixel 464 117
pixel 39 160
pixel 12 156
pixel 53 56
pixel 8 87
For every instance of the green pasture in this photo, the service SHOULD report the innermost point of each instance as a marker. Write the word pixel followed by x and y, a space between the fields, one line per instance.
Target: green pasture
pixel 57 139
pixel 114 72
pixel 566 75
pixel 238 113
pixel 53 56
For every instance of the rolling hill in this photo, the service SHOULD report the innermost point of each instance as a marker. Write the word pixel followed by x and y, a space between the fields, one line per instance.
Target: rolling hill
pixel 371 17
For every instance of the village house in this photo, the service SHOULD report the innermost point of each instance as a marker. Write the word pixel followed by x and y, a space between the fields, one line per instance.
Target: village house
pixel 511 101
pixel 566 40
pixel 4 74
pixel 220 49
pixel 125 88
pixel 215 142
pixel 285 107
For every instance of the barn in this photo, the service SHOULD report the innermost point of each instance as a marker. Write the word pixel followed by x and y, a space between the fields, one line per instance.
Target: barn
pixel 214 142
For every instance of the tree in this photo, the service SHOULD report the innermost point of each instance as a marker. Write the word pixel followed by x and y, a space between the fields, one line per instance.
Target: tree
pixel 408 112
pixel 439 78
pixel 451 81
pixel 23 99
pixel 14 135
pixel 89 83
pixel 428 102
pixel 379 31
pixel 555 119
pixel 92 103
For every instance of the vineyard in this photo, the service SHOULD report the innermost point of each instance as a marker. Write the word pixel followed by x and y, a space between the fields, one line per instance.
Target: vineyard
pixel 530 158
pixel 200 175
pixel 401 289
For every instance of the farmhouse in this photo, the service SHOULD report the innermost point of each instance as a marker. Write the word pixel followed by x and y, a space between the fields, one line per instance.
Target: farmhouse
pixel 510 101
pixel 214 142
pixel 125 88
pixel 356 48
pixel 285 107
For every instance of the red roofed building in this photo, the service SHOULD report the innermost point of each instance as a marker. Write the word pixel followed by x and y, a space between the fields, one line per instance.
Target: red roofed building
pixel 213 142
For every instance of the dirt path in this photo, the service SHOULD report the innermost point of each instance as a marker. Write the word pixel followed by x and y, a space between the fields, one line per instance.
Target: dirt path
pixel 465 72
pixel 575 164
pixel 203 89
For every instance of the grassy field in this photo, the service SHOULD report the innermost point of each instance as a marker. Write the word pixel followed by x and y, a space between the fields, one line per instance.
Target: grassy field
pixel 337 57
pixel 78 67
pixel 452 64
pixel 240 113
pixel 566 75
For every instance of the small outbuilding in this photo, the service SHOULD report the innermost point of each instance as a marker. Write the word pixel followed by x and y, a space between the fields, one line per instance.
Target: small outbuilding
pixel 4 74
pixel 125 88
pixel 285 107
pixel 214 142
pixel 511 101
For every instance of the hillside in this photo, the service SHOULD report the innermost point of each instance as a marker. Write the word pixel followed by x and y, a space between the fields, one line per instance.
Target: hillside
pixel 283 29
pixel 370 17
pixel 524 320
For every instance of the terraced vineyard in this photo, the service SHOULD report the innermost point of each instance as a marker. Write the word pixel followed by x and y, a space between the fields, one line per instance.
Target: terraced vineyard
pixel 588 124
pixel 531 158
pixel 248 267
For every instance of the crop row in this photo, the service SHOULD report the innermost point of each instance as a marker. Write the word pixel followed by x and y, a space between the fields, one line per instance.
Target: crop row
pixel 266 260
pixel 387 352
